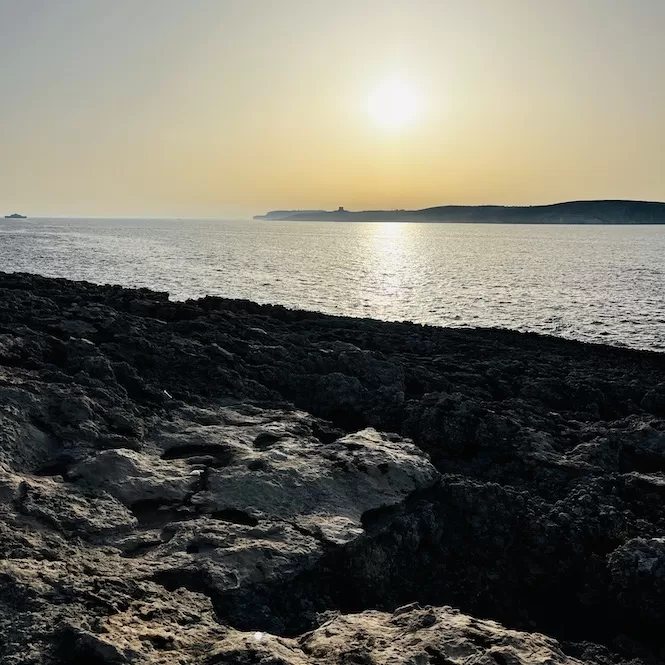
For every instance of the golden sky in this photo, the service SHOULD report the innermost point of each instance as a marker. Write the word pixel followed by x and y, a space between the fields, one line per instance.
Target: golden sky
pixel 223 108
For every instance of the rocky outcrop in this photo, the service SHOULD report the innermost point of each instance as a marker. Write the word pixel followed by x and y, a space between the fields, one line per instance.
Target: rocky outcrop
pixel 229 502
pixel 220 482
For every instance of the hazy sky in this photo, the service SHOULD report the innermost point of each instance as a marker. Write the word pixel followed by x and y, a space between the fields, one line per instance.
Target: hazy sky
pixel 230 107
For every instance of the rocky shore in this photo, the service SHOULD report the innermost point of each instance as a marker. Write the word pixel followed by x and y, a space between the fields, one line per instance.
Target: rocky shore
pixel 218 482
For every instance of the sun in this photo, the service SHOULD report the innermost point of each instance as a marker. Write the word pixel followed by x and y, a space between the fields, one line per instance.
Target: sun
pixel 394 104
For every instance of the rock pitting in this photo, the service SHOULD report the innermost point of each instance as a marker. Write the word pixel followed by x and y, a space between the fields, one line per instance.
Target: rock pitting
pixel 221 482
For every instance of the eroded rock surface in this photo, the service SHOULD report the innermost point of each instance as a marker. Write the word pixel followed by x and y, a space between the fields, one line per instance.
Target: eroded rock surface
pixel 410 636
pixel 178 478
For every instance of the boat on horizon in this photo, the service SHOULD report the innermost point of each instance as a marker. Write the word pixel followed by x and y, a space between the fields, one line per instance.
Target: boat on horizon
pixel 15 216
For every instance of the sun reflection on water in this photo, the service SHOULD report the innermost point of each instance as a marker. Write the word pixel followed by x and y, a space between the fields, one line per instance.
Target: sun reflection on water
pixel 389 245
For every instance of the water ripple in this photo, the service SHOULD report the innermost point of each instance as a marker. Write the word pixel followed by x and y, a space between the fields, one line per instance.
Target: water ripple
pixel 594 283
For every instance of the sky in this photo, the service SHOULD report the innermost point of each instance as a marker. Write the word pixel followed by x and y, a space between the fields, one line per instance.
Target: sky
pixel 228 108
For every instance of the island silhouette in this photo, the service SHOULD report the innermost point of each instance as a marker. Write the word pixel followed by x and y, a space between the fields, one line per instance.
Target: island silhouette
pixel 568 212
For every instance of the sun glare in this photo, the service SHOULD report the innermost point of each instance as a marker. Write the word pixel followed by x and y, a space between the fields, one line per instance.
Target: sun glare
pixel 394 104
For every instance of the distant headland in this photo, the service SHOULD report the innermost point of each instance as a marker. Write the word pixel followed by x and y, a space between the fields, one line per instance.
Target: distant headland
pixel 569 212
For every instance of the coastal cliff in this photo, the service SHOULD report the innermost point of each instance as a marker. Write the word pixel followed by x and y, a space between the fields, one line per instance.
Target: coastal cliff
pixel 218 482
pixel 569 212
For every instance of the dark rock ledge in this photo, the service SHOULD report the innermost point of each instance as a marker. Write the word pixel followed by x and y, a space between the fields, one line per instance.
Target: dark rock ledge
pixel 219 482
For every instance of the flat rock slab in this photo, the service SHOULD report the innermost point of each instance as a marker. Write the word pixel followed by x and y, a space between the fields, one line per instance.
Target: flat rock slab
pixel 225 506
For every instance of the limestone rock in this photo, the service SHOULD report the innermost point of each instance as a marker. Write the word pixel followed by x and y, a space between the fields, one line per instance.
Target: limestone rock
pixel 427 636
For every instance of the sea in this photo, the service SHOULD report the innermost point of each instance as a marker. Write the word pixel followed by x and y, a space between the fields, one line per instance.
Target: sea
pixel 595 283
